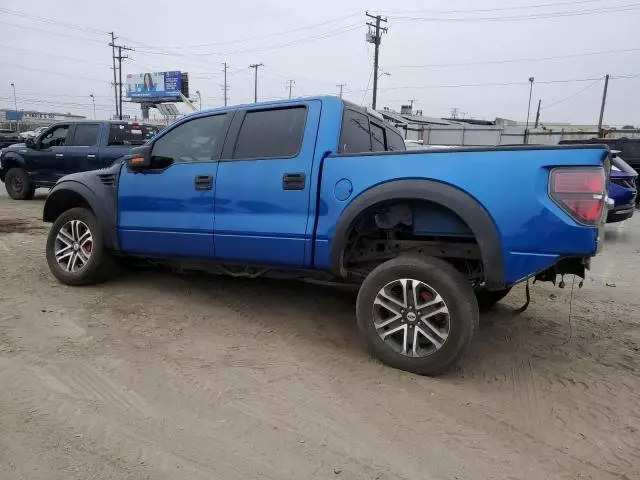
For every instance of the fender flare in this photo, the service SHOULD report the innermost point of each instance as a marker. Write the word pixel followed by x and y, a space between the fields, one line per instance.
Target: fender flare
pixel 458 201
pixel 10 157
pixel 101 210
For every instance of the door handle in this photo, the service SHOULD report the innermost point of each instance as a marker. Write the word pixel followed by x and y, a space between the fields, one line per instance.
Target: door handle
pixel 91 156
pixel 59 155
pixel 293 181
pixel 204 182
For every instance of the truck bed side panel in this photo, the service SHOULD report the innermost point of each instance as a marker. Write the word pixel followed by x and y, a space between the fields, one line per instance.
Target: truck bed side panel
pixel 511 185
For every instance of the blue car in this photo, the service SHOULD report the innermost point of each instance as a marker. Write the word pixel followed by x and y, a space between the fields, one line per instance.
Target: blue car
pixel 622 190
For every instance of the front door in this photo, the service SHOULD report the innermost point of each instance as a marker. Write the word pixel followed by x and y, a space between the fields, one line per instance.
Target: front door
pixel 263 186
pixel 82 148
pixel 47 161
pixel 167 211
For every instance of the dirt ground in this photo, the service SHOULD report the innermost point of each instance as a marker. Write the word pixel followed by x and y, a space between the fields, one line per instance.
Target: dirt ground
pixel 157 375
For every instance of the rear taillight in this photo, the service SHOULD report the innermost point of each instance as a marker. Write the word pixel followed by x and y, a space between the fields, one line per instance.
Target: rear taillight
pixel 580 192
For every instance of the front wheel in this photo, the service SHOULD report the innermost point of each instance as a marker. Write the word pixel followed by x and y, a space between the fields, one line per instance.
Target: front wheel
pixel 417 314
pixel 18 184
pixel 75 250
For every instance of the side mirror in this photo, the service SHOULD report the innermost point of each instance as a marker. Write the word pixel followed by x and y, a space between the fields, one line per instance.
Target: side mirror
pixel 29 143
pixel 139 158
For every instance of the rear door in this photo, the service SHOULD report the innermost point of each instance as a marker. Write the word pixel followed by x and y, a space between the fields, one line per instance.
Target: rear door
pixel 263 184
pixel 82 148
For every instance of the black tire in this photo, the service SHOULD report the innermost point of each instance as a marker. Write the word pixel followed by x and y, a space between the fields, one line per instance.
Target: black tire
pixel 99 265
pixel 18 184
pixel 488 298
pixel 458 297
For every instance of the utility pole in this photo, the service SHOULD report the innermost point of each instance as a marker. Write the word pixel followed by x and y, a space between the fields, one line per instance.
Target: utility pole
pixel 454 113
pixel 225 88
pixel 115 82
pixel 118 84
pixel 604 100
pixel 374 36
pixel 290 85
pixel 538 114
pixel 526 128
pixel 341 86
pixel 255 67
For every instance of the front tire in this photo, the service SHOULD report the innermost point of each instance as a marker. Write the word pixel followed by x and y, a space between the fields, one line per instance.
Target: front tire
pixel 75 249
pixel 417 314
pixel 18 184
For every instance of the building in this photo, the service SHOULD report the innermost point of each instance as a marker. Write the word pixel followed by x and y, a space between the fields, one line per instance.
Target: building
pixel 32 118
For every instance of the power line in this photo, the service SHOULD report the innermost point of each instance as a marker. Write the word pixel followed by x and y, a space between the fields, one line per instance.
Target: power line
pixel 497 84
pixel 262 37
pixel 575 94
pixel 74 26
pixel 538 16
pixel 50 72
pixel 497 9
pixel 516 60
pixel 49 32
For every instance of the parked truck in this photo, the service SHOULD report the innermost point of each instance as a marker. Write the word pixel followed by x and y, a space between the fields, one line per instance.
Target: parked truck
pixel 319 188
pixel 66 148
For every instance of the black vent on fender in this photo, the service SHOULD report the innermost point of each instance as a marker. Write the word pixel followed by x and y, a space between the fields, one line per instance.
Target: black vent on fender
pixel 107 179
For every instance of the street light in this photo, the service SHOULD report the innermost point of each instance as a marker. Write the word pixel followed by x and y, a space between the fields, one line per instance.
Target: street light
pixel 93 99
pixel 199 98
pixel 384 73
pixel 526 128
pixel 15 103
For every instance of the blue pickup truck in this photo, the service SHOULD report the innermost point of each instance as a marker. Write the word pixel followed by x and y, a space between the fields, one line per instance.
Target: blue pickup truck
pixel 322 189
pixel 67 148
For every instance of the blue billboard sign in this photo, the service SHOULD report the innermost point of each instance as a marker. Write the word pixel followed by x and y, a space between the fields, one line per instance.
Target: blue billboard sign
pixel 13 115
pixel 154 85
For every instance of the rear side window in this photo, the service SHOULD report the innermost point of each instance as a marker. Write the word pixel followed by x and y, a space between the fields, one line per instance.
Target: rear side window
pixel 126 134
pixel 85 136
pixel 377 138
pixel 355 137
pixel 271 133
pixel 395 142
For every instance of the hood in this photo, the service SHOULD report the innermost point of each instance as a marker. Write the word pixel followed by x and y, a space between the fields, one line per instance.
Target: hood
pixel 14 146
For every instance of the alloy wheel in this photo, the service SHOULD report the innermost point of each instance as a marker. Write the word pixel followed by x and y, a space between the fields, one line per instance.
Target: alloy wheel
pixel 411 317
pixel 73 246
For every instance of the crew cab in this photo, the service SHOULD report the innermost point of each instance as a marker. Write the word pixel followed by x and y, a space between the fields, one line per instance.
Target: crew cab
pixel 66 148
pixel 321 189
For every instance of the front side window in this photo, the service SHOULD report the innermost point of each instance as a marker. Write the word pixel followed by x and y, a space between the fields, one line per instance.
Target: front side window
pixel 56 137
pixel 85 136
pixel 271 133
pixel 356 137
pixel 193 141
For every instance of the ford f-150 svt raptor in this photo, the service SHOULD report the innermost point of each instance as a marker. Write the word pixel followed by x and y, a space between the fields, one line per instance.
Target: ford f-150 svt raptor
pixel 323 189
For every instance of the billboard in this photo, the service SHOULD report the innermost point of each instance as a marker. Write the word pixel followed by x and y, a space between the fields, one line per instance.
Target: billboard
pixel 154 85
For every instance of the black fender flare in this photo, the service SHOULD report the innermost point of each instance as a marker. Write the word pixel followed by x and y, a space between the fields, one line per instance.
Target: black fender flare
pixel 460 202
pixel 10 158
pixel 102 210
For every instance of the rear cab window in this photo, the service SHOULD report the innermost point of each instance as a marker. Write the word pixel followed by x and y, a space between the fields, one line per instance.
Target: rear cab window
pixel 362 133
pixel 130 134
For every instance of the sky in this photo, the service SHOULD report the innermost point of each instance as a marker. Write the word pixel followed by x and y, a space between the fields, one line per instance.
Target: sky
pixel 472 55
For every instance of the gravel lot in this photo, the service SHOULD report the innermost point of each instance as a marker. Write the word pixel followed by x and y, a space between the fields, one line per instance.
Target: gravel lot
pixel 165 376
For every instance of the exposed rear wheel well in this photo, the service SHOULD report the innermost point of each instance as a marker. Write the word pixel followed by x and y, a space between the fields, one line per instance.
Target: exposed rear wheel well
pixel 409 226
pixel 61 201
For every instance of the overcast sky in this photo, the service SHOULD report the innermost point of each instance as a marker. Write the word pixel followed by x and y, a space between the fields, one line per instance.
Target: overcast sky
pixel 56 66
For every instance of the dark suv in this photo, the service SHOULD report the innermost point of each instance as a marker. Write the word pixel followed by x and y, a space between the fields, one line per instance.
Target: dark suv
pixel 629 148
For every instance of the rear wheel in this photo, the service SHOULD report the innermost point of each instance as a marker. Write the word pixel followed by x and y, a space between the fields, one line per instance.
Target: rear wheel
pixel 417 314
pixel 75 250
pixel 18 184
pixel 488 298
